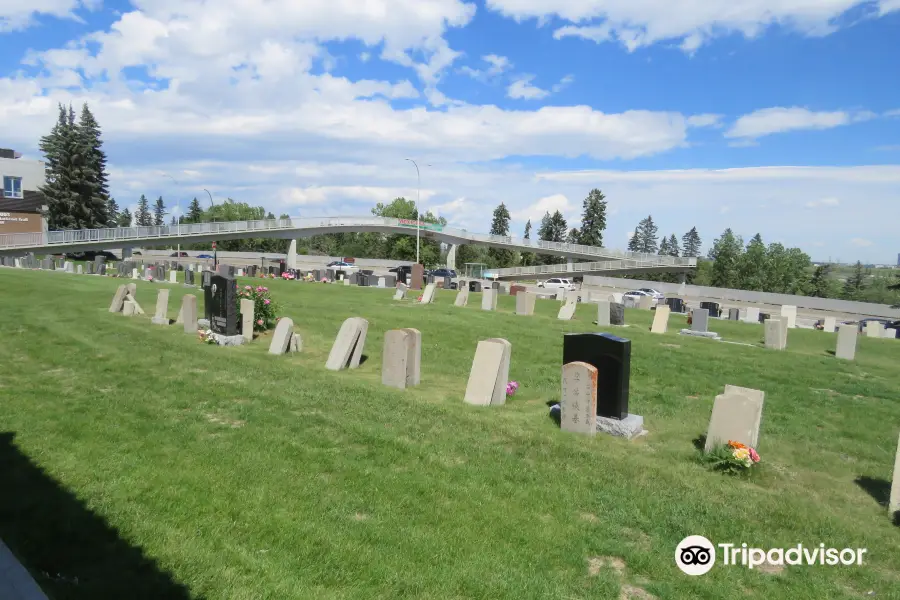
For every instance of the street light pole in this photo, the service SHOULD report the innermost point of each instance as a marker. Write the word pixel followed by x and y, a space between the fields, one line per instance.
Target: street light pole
pixel 418 216
pixel 215 246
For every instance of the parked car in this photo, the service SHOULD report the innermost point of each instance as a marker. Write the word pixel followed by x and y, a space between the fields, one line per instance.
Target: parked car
pixel 136 253
pixel 339 265
pixel 556 283
pixel 888 324
pixel 90 255
pixel 179 255
pixel 656 295
pixel 441 273
pixel 205 256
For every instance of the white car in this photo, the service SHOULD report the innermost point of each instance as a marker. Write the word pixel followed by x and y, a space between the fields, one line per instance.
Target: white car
pixel 340 265
pixel 557 283
pixel 645 292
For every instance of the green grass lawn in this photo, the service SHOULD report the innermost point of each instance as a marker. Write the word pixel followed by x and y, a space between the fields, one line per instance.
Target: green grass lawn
pixel 136 462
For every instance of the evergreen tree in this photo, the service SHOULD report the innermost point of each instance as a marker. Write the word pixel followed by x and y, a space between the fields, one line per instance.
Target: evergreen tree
pixel 691 243
pixel 572 236
pixel 500 226
pixel 195 213
pixel 593 219
pixel 112 213
pixel 673 245
pixel 94 185
pixel 124 218
pixel 143 218
pixel 553 229
pixel 752 267
pixel 173 221
pixel 856 283
pixel 634 243
pixel 820 284
pixel 60 148
pixel 159 212
pixel 726 254
pixel 664 247
pixel 645 237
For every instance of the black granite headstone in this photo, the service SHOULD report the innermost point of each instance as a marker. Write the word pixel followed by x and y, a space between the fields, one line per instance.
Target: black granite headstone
pixel 221 305
pixel 763 317
pixel 611 356
pixel 616 313
pixel 675 304
pixel 474 286
pixel 189 277
pixel 101 269
pixel 712 307
pixel 354 278
pixel 362 280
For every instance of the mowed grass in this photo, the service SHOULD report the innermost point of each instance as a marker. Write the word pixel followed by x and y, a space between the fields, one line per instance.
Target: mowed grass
pixel 242 475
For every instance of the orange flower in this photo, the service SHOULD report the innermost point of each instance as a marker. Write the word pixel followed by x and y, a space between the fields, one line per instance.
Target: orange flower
pixel 736 445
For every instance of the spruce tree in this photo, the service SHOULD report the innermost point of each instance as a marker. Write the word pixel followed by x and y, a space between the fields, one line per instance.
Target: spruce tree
pixel 124 218
pixel 112 212
pixel 60 148
pixel 195 213
pixel 855 283
pixel 159 212
pixel 593 219
pixel 143 217
pixel 726 254
pixel 691 243
pixel 664 247
pixel 94 188
pixel 673 245
pixel 634 243
pixel 649 240
pixel 500 226
pixel 572 237
pixel 553 229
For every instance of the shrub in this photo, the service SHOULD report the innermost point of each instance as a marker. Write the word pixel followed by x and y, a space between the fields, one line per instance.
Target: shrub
pixel 264 308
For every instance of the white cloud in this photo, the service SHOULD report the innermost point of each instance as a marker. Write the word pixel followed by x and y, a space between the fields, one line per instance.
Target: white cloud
pixel 629 235
pixel 548 204
pixel 705 120
pixel 325 195
pixel 779 120
pixel 563 83
pixel 861 242
pixel 638 23
pixel 824 202
pixel 496 66
pixel 19 14
pixel 522 89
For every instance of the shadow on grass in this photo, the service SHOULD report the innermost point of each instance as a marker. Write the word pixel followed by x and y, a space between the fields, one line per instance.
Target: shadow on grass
pixel 699 442
pixel 70 551
pixel 880 490
pixel 831 352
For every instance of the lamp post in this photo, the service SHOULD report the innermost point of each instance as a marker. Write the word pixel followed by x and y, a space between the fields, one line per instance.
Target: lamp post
pixel 215 249
pixel 418 191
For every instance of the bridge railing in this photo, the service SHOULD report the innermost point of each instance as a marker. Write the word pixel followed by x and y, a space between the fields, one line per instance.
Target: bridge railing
pixel 609 265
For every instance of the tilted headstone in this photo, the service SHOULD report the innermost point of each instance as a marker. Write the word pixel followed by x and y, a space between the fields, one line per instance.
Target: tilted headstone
pixel 296 343
pixel 400 294
pixel 489 299
pixel 128 308
pixel 428 294
pixel 567 311
pixel 846 341
pixel 189 313
pixel 486 377
pixel 118 299
pixel 578 407
pixel 894 502
pixel 221 305
pixel 736 416
pixel 281 338
pixel 829 324
pixel 248 308
pixel 611 355
pixel 418 274
pixel 161 316
pixel 790 313
pixel 773 331
pixel 700 320
pixel 462 297
pixel 603 310
pixel 525 302
pixel 348 345
pixel 395 358
pixel 660 319
pixel 617 314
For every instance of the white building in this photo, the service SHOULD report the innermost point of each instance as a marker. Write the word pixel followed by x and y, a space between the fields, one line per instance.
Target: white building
pixel 21 204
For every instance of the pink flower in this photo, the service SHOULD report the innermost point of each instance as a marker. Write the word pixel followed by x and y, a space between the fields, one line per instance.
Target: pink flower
pixel 265 289
pixel 259 321
pixel 267 301
pixel 754 456
pixel 247 287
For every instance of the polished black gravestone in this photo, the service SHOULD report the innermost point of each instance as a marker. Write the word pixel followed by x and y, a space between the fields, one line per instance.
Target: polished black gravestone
pixel 675 304
pixel 221 305
pixel 712 307
pixel 474 286
pixel 189 277
pixel 611 355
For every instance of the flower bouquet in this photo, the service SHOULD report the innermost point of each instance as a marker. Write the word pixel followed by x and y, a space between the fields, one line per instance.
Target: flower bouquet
pixel 511 388
pixel 733 458
pixel 264 308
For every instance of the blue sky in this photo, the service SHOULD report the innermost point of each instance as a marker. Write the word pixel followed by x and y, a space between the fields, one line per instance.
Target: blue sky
pixel 774 116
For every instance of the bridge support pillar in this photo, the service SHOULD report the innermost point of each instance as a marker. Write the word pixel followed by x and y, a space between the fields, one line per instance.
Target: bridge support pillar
pixel 292 255
pixel 126 253
pixel 451 257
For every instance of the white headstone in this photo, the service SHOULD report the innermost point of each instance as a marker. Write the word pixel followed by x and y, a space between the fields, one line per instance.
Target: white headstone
pixel 874 329
pixel 188 313
pixel 462 297
pixel 525 302
pixel 281 338
pixel 752 315
pixel 414 361
pixel 661 319
pixel 616 297
pixel 348 345
pixel 846 341
pixel 645 302
pixel 503 375
pixel 118 299
pixel 894 502
pixel 488 299
pixel 486 373
pixel 603 313
pixel 578 407
pixel 736 416
pixel 248 309
pixel 395 358
pixel 128 308
pixel 790 313
pixel 161 316
pixel 428 293
pixel 173 276
pixel 79 269
pixel 400 294
pixel 381 282
pixel 829 324
pixel 773 328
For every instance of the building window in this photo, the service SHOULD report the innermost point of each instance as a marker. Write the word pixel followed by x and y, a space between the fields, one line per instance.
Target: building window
pixel 12 187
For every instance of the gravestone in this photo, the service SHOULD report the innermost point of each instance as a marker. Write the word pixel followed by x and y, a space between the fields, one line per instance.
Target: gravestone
pixel 773 331
pixel 221 305
pixel 189 313
pixel 78 270
pixel 206 280
pixel 92 268
pixel 734 314
pixel 486 376
pixel 675 305
pixel 173 276
pixel 68 267
pixel 462 297
pixel 489 299
pixel 128 308
pixel 894 501
pixel 616 297
pixel 281 338
pixel 189 278
pixel 395 361
pixel 248 307
pixel 390 281
pixel 296 343
pixel 736 416
pixel 381 282
pixel 418 274
pixel 611 355
pixel 567 310
pixel 118 299
pixel 603 308
pixel 790 313
pixel 400 294
pixel 617 314
pixel 516 289
pixel 645 302
pixel 700 320
pixel 874 329
pixel 578 407
pixel 240 272
pixel 525 302
pixel 829 324
pixel 890 333
pixel 428 294
pixel 46 264
pixel 846 341
pixel 752 315
pixel 712 309
pixel 348 345
pixel 495 285
pixel 161 317
pixel 475 286
pixel 660 319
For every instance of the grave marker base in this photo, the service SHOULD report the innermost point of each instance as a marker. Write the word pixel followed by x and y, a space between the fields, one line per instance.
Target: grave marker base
pixel 630 427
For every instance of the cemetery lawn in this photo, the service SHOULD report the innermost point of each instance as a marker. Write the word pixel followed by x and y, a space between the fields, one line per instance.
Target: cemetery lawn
pixel 136 462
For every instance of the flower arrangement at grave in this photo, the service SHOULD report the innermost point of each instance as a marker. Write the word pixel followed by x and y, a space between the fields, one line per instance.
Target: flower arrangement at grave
pixel 733 458
pixel 511 388
pixel 264 308
pixel 324 280
pixel 288 276
pixel 208 336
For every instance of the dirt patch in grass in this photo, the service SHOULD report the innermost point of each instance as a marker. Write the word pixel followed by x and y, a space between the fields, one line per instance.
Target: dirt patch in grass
pixel 598 563
pixel 221 420
pixel 630 592
pixel 589 517
pixel 670 345
pixel 637 538
pixel 360 516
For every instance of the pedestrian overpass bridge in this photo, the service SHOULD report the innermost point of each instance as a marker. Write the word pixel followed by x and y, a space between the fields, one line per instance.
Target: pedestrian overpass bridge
pixel 75 240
